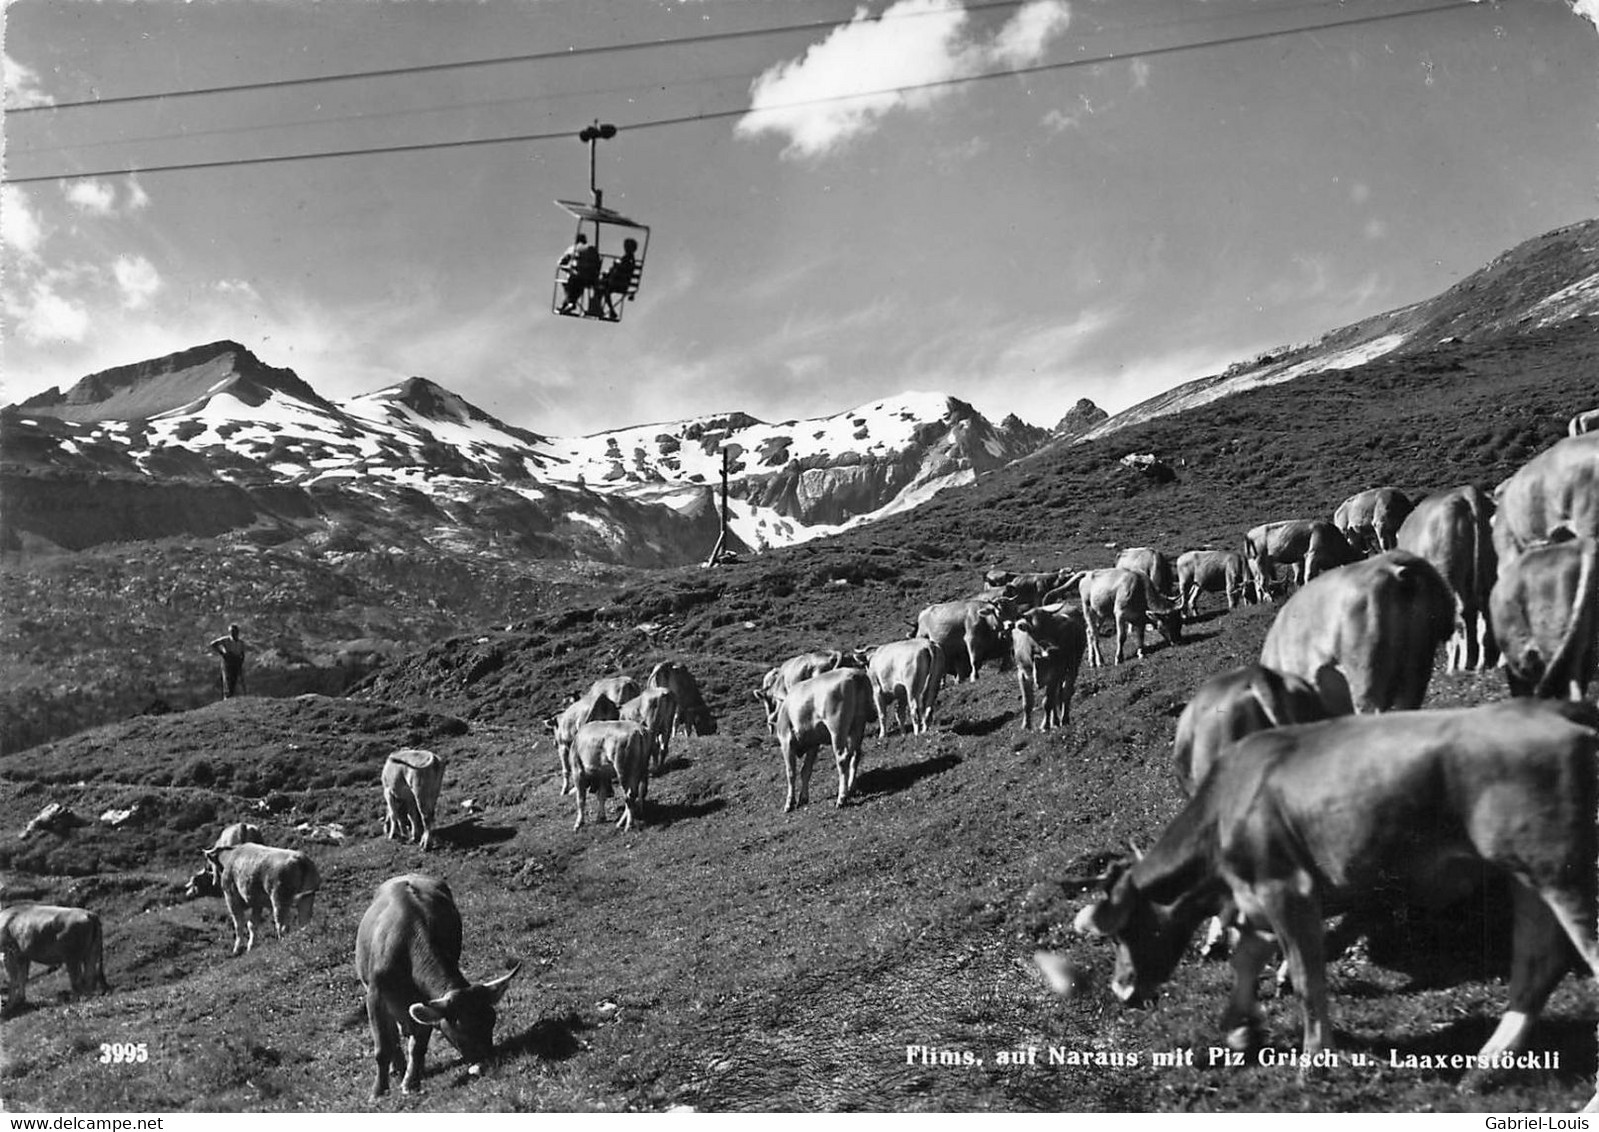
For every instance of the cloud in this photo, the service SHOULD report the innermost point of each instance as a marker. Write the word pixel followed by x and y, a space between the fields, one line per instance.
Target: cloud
pixel 21 84
pixel 137 279
pixel 870 67
pixel 99 198
pixel 43 316
pixel 91 196
pixel 20 229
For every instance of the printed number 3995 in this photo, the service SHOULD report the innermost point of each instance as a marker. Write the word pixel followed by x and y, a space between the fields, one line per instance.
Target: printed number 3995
pixel 117 1053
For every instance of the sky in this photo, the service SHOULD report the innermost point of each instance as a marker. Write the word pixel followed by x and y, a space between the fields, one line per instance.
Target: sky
pixel 1019 204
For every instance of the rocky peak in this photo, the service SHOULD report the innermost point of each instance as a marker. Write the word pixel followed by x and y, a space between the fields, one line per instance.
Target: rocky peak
pixel 1080 418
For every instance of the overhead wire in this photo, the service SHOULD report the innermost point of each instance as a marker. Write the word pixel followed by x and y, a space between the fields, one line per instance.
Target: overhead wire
pixel 745 111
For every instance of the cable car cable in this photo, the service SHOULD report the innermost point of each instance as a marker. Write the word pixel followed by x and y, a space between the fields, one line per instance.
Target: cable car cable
pixel 714 115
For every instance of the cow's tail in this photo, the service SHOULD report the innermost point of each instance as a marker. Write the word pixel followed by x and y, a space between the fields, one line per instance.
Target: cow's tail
pixel 1579 635
pixel 95 960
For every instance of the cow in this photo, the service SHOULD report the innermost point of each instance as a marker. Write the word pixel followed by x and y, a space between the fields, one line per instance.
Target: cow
pixel 835 706
pixel 1231 705
pixel 910 672
pixel 1021 591
pixel 1453 531
pixel 54 936
pixel 1047 644
pixel 1557 489
pixel 970 632
pixel 412 779
pixel 1365 635
pixel 617 689
pixel 777 681
pixel 564 728
pixel 1213 571
pixel 1125 599
pixel 1309 546
pixel 693 716
pixel 1587 421
pixel 202 883
pixel 257 878
pixel 1370 520
pixel 1297 822
pixel 613 753
pixel 656 710
pixel 408 957
pixel 1545 614
pixel 1152 564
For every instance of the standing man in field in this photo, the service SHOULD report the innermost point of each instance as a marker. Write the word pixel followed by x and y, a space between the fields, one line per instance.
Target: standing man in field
pixel 231 649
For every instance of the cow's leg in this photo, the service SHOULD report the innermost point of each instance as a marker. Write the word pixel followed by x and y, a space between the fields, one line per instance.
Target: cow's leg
pixel 303 904
pixel 1025 685
pixel 806 768
pixel 1241 1022
pixel 1537 964
pixel 238 913
pixel 16 978
pixel 564 750
pixel 424 822
pixel 391 820
pixel 416 1064
pixel 884 698
pixel 1297 921
pixel 385 1041
pixel 582 796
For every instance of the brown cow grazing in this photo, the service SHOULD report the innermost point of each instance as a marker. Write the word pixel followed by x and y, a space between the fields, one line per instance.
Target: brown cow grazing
pixel 836 707
pixel 412 780
pixel 1365 635
pixel 564 728
pixel 1557 489
pixel 1297 822
pixel 202 883
pixel 1453 530
pixel 55 937
pixel 908 672
pixel 617 689
pixel 1231 705
pixel 1370 520
pixel 1152 564
pixel 1213 571
pixel 1310 546
pixel 656 710
pixel 257 878
pixel 969 631
pixel 1126 600
pixel 693 716
pixel 777 681
pixel 408 956
pixel 1047 644
pixel 1545 613
pixel 613 753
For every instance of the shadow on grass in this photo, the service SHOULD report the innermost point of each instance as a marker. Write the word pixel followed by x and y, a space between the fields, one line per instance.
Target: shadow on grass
pixel 665 813
pixel 549 1039
pixel 470 833
pixel 980 727
pixel 893 779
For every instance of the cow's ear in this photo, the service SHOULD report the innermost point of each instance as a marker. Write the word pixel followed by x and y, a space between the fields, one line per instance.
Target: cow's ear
pixel 1101 918
pixel 426 1013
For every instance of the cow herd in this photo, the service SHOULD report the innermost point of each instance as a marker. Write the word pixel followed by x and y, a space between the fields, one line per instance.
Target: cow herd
pixel 1314 779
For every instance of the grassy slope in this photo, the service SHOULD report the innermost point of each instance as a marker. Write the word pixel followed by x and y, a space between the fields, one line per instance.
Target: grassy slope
pixel 725 955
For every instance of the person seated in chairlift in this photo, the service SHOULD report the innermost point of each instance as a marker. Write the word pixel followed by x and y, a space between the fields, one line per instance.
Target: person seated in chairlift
pixel 619 279
pixel 581 262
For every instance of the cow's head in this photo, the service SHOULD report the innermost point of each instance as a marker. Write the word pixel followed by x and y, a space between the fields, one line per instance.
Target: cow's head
pixel 466 1018
pixel 202 883
pixel 701 721
pixel 1168 620
pixel 1148 941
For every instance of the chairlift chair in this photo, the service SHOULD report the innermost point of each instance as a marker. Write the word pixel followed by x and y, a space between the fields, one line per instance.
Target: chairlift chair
pixel 605 297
